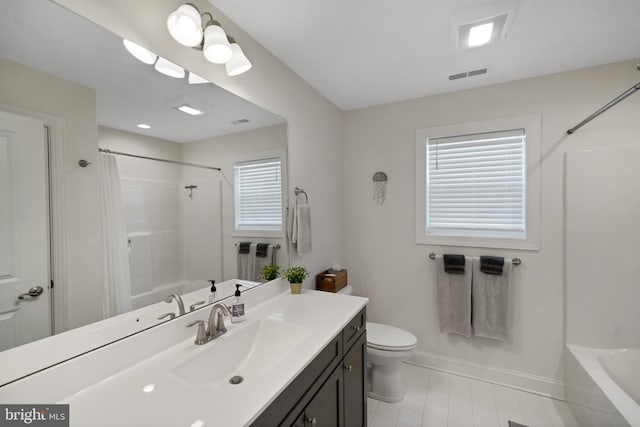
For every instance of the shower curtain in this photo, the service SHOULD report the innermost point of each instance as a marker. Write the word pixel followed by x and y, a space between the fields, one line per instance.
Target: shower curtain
pixel 117 282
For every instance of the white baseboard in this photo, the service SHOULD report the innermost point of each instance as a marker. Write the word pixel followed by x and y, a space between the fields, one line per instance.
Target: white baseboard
pixel 543 386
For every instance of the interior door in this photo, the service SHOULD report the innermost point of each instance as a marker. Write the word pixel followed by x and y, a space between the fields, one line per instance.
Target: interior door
pixel 25 309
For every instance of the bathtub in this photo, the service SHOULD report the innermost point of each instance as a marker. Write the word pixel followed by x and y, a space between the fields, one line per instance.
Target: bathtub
pixel 616 373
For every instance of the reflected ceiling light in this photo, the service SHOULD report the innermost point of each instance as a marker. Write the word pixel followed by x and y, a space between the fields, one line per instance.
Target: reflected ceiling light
pixel 148 388
pixel 143 126
pixel 189 110
pixel 216 46
pixel 191 28
pixel 139 52
pixel 185 25
pixel 168 68
pixel 195 79
pixel 239 63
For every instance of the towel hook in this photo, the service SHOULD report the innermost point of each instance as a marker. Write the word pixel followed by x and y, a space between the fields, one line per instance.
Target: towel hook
pixel 299 191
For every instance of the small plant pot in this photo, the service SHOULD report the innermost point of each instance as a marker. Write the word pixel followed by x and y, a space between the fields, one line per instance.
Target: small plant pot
pixel 295 287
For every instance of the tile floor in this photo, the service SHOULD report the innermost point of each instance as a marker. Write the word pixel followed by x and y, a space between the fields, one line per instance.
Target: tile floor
pixel 439 399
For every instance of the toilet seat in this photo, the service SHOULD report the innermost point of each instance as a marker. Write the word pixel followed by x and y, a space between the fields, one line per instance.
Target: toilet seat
pixel 389 338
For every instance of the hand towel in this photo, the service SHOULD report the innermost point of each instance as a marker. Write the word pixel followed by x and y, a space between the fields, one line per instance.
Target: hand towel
pixel 454 264
pixel 261 249
pixel 301 228
pixel 454 298
pixel 246 262
pixel 491 264
pixel 491 315
pixel 260 261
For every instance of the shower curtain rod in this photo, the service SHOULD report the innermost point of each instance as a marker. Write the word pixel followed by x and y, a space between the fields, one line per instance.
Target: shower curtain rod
pixel 175 162
pixel 622 96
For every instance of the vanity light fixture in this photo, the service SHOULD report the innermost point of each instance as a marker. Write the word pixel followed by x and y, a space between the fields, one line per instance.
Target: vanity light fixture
pixel 139 52
pixel 239 63
pixel 168 68
pixel 195 79
pixel 187 109
pixel 192 29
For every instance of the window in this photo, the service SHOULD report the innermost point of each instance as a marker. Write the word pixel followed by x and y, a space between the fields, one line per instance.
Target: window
pixel 475 187
pixel 258 195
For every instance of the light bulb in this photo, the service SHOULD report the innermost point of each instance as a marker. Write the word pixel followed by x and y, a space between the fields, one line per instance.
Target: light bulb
pixel 216 46
pixel 239 63
pixel 185 25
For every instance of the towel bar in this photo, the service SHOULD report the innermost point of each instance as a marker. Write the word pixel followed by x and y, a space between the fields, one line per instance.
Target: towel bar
pixel 277 246
pixel 514 261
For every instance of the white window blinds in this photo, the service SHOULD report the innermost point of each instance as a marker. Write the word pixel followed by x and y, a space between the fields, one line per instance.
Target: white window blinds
pixel 258 195
pixel 476 185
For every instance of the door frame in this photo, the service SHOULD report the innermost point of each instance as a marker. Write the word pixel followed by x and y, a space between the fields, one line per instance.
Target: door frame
pixel 57 212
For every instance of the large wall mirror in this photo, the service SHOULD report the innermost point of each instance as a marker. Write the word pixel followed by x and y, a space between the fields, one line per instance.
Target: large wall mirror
pixel 175 225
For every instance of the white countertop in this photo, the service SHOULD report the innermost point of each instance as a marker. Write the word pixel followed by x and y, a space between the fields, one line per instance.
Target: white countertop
pixel 118 399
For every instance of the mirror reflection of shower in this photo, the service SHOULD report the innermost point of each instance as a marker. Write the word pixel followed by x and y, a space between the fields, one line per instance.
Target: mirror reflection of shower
pixel 174 239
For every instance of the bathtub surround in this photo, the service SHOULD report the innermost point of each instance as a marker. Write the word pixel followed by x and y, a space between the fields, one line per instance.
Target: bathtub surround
pixel 385 136
pixel 602 252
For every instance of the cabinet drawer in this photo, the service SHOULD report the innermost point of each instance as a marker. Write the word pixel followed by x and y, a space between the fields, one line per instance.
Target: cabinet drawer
pixel 354 328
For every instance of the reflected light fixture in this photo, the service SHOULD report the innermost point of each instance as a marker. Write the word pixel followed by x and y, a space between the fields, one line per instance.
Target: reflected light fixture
pixel 191 28
pixel 239 63
pixel 187 109
pixel 168 68
pixel 195 79
pixel 143 126
pixel 139 52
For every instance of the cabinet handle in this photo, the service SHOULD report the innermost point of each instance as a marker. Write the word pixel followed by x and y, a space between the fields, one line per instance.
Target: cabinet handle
pixel 356 328
pixel 313 421
pixel 348 368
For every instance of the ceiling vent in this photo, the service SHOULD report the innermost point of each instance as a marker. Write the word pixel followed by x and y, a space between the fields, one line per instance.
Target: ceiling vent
pixel 472 73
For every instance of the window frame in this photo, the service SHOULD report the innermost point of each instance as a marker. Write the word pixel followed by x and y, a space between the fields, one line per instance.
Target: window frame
pixel 252 157
pixel 532 127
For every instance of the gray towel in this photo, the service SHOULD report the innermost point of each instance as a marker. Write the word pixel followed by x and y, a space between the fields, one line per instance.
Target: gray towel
pixel 454 298
pixel 246 263
pixel 492 302
pixel 261 261
pixel 301 228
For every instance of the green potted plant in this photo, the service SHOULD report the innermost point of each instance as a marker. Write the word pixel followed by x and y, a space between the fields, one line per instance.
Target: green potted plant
pixel 295 276
pixel 270 272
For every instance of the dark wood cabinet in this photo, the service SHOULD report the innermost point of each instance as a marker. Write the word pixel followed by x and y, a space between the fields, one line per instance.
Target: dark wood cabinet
pixel 330 391
pixel 355 399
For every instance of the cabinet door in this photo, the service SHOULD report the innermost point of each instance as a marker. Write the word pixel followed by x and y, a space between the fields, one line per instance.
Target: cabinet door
pixel 355 400
pixel 327 407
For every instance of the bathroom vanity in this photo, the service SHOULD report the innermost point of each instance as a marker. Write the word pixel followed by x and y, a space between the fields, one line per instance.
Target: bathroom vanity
pixel 295 360
pixel 331 391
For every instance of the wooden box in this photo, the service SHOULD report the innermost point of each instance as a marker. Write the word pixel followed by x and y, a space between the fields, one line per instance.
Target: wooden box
pixel 331 280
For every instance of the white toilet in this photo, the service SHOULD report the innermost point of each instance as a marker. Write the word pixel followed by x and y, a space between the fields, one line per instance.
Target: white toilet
pixel 387 348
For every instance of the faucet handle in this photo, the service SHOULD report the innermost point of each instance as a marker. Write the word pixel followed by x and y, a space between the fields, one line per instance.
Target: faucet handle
pixel 195 304
pixel 169 315
pixel 201 335
pixel 220 328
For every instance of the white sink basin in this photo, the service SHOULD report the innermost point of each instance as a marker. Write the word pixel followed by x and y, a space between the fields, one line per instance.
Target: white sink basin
pixel 246 352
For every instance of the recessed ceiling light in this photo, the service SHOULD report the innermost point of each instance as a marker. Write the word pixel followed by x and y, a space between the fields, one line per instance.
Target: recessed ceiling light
pixel 480 34
pixel 144 126
pixel 189 110
pixel 148 388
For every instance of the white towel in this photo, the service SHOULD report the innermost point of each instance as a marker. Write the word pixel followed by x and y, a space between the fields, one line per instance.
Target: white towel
pixel 246 263
pixel 492 302
pixel 301 228
pixel 454 298
pixel 261 262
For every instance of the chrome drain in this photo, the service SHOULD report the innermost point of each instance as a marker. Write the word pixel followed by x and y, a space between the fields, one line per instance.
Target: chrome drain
pixel 236 379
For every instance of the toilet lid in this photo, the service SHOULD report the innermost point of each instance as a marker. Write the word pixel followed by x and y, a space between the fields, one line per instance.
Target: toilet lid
pixel 385 337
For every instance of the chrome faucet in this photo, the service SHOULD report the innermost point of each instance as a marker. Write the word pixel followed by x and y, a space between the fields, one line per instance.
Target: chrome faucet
pixel 216 323
pixel 178 299
pixel 214 327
